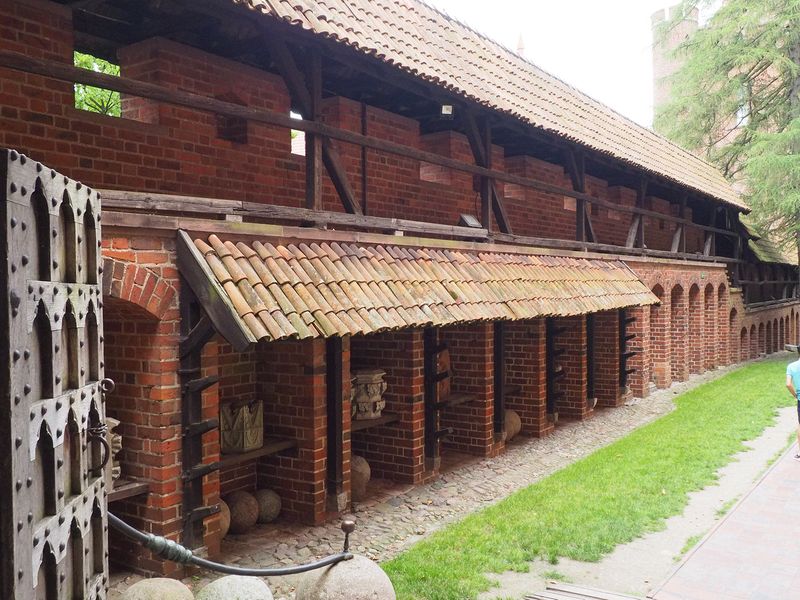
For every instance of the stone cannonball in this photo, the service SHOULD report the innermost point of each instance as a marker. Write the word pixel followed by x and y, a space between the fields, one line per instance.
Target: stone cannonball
pixel 359 477
pixel 269 505
pixel 244 511
pixel 356 579
pixel 224 517
pixel 236 587
pixel 158 588
pixel 513 424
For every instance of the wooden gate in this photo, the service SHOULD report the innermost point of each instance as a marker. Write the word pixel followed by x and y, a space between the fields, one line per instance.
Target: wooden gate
pixel 52 483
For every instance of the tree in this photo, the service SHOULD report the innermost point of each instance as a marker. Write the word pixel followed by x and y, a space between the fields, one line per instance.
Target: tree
pixel 95 99
pixel 736 100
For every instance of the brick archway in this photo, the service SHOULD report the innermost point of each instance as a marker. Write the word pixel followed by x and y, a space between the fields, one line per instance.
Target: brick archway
pixel 138 285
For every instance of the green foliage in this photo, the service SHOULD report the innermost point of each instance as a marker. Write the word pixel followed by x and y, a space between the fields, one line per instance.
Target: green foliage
pixel 93 99
pixel 735 100
pixel 611 497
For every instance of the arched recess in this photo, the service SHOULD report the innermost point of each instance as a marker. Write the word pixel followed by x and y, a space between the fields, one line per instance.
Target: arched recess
pixel 42 351
pixel 792 329
pixel 73 568
pixel 775 345
pixel 98 540
pixel 762 340
pixel 696 333
pixel 41 218
pixel 753 342
pixel 67 257
pixel 72 476
pixel 43 492
pixel 711 340
pixel 69 348
pixel 744 345
pixel 47 577
pixel 89 246
pixel 768 347
pixel 735 348
pixel 796 328
pixel 678 333
pixel 782 333
pixel 92 345
pixel 660 340
pixel 728 336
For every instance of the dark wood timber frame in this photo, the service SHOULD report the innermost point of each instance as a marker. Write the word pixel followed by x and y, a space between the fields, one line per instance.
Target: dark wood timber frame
pixel 554 370
pixel 590 356
pixel 303 97
pixel 499 377
pixel 624 353
pixel 334 378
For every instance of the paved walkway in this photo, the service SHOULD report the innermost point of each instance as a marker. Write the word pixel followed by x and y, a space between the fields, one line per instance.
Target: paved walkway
pixel 754 553
pixel 396 516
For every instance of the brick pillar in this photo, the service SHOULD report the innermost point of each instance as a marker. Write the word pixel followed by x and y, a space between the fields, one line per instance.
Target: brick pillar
pixel 724 327
pixel 639 380
pixel 696 330
pixel 607 359
pixel 679 334
pixel 395 451
pixel 471 350
pixel 526 375
pixel 660 342
pixel 574 404
pixel 292 380
pixel 710 328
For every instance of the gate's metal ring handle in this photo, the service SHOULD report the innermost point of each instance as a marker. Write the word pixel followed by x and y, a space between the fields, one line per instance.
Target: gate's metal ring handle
pixel 99 437
pixel 107 385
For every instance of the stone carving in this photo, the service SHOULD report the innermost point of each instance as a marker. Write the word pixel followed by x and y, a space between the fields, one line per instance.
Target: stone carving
pixel 224 517
pixel 158 588
pixel 236 587
pixel 241 427
pixel 360 474
pixel 513 424
pixel 356 579
pixel 368 397
pixel 244 511
pixel 115 443
pixel 269 505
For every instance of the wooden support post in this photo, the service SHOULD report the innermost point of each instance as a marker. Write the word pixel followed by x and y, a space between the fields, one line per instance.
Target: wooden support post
pixel 430 347
pixel 684 198
pixel 576 168
pixel 499 376
pixel 299 90
pixel 314 141
pixel 334 378
pixel 480 141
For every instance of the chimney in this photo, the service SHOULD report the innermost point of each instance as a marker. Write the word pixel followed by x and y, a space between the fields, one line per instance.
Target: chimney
pixel 664 64
pixel 520 46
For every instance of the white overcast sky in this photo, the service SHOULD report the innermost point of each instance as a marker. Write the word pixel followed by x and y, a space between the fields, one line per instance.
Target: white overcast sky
pixel 602 47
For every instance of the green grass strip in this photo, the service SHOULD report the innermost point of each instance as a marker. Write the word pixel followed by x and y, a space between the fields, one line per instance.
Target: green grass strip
pixel 609 498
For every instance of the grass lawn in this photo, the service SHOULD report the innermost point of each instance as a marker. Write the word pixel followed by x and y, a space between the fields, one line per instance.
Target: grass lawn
pixel 609 498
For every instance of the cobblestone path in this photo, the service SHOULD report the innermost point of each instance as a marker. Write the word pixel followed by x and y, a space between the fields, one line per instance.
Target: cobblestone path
pixel 396 515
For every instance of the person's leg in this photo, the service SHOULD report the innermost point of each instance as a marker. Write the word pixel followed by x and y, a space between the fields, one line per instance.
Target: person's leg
pixel 797 456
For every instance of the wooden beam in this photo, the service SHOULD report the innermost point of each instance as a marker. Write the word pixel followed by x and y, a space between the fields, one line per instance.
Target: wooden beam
pixel 302 94
pixel 142 89
pixel 144 201
pixel 313 141
pixel 576 168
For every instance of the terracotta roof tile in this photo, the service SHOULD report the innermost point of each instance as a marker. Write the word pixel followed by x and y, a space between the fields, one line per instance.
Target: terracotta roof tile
pixel 278 292
pixel 433 46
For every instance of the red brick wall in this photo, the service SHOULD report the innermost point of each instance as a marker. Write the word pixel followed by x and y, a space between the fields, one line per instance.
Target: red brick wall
pixel 606 359
pixel 573 339
pixel 395 451
pixel 471 349
pixel 526 369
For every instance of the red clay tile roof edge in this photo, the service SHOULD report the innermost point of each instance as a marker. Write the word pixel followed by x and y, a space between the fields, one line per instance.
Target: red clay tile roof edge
pixel 435 47
pixel 312 290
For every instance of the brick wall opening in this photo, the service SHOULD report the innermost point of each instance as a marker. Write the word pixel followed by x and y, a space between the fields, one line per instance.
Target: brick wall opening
pixel 679 329
pixel 696 332
pixel 710 328
pixel 526 375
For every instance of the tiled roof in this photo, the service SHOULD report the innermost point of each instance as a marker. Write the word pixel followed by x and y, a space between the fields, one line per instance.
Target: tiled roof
pixel 431 45
pixel 766 251
pixel 301 290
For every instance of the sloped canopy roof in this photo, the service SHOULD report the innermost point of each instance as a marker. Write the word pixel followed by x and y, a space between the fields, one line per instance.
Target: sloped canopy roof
pixel 432 46
pixel 276 291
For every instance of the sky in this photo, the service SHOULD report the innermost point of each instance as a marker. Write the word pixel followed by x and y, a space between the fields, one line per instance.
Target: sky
pixel 602 47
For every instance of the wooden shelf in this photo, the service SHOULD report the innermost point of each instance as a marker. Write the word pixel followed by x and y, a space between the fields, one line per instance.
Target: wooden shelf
pixel 125 488
pixel 455 400
pixel 384 419
pixel 272 445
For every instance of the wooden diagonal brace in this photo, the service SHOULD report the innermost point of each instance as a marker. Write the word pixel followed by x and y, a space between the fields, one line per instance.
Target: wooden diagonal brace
pixel 299 91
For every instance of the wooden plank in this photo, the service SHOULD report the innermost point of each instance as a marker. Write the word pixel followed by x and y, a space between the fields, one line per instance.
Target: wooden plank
pixel 314 142
pixel 633 232
pixel 455 399
pixel 499 367
pixel 334 379
pixel 210 294
pixel 386 418
pixel 142 89
pixel 587 592
pixel 124 489
pixel 114 199
pixel 272 445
